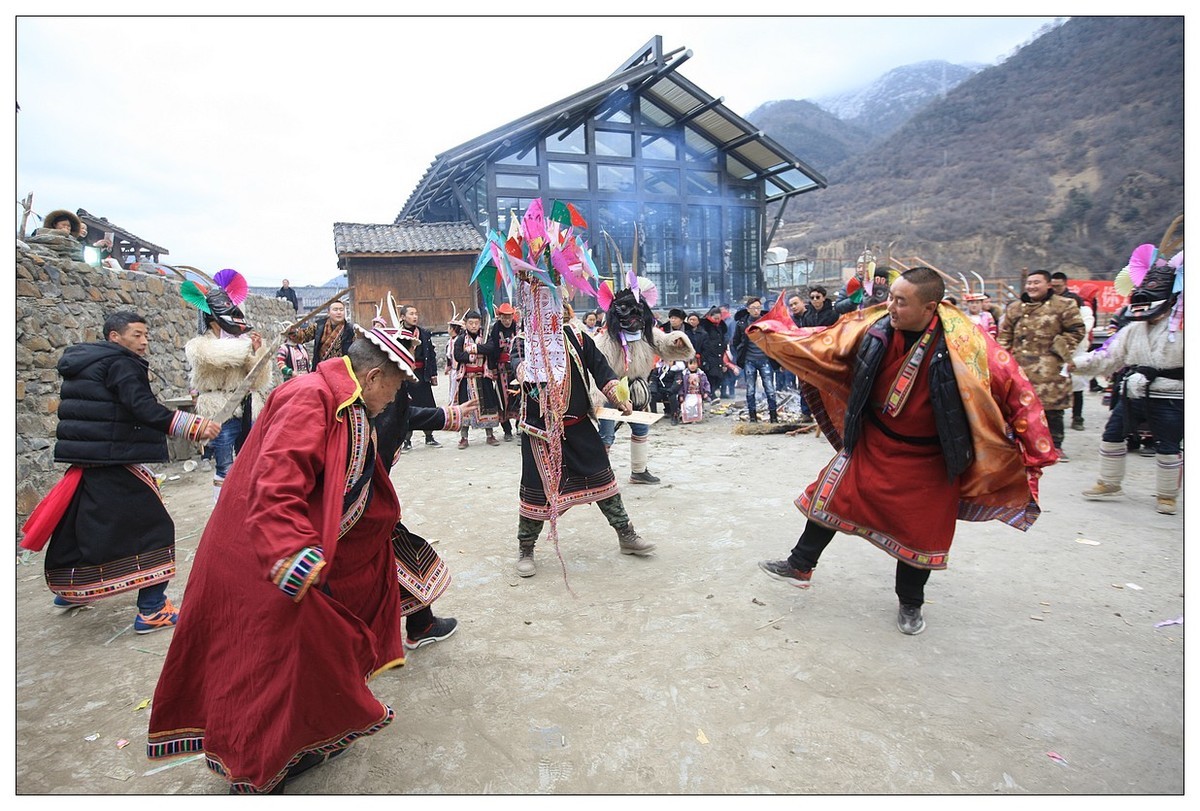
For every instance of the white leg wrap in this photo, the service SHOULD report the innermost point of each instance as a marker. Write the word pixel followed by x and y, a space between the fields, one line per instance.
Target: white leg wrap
pixel 1112 462
pixel 1169 473
pixel 639 453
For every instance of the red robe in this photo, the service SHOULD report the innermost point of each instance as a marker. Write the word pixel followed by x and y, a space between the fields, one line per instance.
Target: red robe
pixel 256 678
pixel 893 494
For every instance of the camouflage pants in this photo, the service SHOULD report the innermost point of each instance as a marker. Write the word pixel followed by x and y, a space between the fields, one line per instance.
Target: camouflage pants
pixel 528 529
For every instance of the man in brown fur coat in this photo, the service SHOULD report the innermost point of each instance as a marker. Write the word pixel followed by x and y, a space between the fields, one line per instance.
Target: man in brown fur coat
pixel 630 343
pixel 1042 330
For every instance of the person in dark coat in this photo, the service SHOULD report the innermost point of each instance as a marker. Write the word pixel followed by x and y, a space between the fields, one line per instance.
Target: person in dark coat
pixel 712 351
pixel 288 293
pixel 110 427
pixel 426 367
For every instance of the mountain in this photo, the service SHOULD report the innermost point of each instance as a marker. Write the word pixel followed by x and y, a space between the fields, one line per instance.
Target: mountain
pixel 1066 156
pixel 826 140
pixel 884 105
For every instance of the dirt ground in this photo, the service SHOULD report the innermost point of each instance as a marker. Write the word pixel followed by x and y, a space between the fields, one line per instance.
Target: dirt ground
pixel 1041 670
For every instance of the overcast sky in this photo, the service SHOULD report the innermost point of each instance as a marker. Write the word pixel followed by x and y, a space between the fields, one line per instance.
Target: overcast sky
pixel 238 142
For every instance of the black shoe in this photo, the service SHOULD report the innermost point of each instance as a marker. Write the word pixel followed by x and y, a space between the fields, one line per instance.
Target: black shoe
pixel 753 416
pixel 909 620
pixel 1077 424
pixel 309 761
pixel 645 477
pixel 407 446
pixel 774 418
pixel 439 629
pixel 508 436
pixel 782 570
pixel 431 442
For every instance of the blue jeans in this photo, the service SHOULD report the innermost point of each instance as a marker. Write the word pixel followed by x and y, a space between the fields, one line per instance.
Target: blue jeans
pixel 608 431
pixel 728 384
pixel 1165 417
pixel 151 599
pixel 222 446
pixel 762 368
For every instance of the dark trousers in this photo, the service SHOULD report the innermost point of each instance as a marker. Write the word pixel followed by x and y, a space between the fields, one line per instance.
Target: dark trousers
pixel 1164 416
pixel 1054 418
pixel 152 599
pixel 1076 405
pixel 420 620
pixel 910 581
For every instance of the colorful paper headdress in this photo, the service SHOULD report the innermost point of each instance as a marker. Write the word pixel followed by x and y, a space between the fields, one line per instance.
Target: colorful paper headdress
pixel 219 299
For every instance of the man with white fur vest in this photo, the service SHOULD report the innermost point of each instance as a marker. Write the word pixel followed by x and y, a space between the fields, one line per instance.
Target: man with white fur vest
pixel 219 358
pixel 631 342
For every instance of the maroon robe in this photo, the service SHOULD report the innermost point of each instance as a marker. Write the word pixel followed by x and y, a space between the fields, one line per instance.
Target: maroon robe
pixel 256 678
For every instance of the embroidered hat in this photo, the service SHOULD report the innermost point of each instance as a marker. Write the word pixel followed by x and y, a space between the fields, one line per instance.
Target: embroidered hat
pixel 390 341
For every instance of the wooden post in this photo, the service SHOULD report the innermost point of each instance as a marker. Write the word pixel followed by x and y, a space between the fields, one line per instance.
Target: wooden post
pixel 27 207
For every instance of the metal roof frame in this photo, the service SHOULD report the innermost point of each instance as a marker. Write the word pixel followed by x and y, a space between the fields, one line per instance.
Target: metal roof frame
pixel 652 75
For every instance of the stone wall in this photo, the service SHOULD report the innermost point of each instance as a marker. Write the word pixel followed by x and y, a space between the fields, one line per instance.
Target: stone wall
pixel 61 301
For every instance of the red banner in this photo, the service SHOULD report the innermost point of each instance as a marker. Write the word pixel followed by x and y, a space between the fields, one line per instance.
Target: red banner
pixel 1107 299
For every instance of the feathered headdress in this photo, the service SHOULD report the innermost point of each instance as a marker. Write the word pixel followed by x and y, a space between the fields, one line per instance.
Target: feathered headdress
pixel 218 298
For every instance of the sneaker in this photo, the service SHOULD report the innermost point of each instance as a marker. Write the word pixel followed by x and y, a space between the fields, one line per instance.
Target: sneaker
pixel 407 445
pixel 525 565
pixel 508 436
pixel 645 477
pixel 462 443
pixel 1077 424
pixel 1103 490
pixel 66 605
pixel 782 570
pixel 1165 505
pixel 909 620
pixel 441 628
pixel 1062 456
pixel 432 443
pixel 491 440
pixel 166 617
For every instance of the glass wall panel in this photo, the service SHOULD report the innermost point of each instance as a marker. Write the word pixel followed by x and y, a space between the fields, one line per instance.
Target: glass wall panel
pixel 703 183
pixel 572 142
pixel 515 158
pixel 658 147
pixel 660 249
pixel 614 144
pixel 566 175
pixel 610 177
pixel 507 180
pixel 660 181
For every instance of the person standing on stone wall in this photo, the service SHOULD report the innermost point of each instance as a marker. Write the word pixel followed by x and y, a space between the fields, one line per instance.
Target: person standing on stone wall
pixel 108 530
pixel 288 293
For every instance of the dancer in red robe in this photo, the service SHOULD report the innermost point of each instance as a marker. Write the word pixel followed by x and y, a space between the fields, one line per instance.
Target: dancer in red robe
pixel 292 602
pixel 933 422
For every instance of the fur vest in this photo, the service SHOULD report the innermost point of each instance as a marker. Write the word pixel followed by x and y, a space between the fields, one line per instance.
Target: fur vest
pixel 668 346
pixel 218 366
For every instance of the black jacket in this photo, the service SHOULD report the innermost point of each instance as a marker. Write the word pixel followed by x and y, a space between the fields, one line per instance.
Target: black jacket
pixel 714 345
pixel 954 433
pixel 740 344
pixel 426 354
pixel 827 316
pixel 108 414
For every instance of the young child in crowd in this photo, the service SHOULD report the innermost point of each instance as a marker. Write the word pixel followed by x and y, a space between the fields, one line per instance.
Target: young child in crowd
pixel 693 391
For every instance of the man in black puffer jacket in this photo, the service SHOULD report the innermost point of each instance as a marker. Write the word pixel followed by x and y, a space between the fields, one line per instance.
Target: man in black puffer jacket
pixel 115 535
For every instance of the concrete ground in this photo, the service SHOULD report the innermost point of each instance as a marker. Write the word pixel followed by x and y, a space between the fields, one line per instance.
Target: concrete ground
pixel 1041 671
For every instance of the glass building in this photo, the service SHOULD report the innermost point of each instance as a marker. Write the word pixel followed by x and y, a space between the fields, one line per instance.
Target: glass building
pixel 646 147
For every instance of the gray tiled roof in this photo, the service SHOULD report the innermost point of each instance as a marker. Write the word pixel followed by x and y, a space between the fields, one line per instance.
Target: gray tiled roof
pixel 405 237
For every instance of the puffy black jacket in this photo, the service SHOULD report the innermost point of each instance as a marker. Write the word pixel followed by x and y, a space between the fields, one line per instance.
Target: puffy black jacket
pixel 954 433
pixel 107 414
